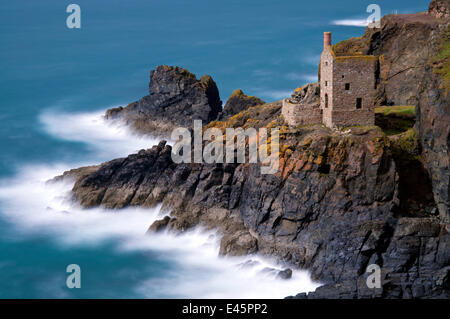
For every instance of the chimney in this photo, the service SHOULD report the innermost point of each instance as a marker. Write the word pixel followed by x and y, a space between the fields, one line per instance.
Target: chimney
pixel 326 39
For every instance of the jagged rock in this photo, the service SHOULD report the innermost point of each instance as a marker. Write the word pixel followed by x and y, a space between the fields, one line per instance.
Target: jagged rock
pixel 307 94
pixel 434 135
pixel 176 99
pixel 238 244
pixel 285 274
pixel 237 103
pixel 159 225
pixel 76 173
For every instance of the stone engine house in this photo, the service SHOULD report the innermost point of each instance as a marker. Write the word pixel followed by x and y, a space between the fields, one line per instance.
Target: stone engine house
pixel 347 90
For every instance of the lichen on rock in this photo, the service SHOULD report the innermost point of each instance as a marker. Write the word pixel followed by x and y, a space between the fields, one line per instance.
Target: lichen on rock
pixel 238 102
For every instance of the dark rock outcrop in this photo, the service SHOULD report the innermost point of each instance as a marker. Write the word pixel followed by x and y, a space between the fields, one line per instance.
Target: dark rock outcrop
pixel 237 103
pixel 159 225
pixel 414 257
pixel 434 134
pixel 176 99
pixel 285 274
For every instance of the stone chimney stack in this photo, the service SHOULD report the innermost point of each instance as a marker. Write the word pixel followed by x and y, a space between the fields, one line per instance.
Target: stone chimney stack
pixel 326 39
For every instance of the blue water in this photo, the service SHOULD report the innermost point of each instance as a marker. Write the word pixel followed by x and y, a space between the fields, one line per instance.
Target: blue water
pixel 54 83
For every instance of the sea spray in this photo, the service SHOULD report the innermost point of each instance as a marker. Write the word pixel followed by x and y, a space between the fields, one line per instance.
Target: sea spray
pixel 106 139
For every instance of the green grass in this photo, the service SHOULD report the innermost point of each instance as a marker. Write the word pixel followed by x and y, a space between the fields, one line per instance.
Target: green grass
pixel 394 120
pixel 406 147
pixel 441 61
pixel 402 110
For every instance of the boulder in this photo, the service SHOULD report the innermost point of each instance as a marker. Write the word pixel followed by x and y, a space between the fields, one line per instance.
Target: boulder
pixel 240 243
pixel 285 274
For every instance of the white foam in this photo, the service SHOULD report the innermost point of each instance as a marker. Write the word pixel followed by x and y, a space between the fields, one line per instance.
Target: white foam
pixel 108 139
pixel 36 206
pixel 351 22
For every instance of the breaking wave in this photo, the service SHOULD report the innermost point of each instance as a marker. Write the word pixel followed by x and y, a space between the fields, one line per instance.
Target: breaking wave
pixel 351 22
pixel 106 139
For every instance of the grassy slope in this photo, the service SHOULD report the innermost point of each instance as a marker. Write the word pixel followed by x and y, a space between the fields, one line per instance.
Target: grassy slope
pixel 405 110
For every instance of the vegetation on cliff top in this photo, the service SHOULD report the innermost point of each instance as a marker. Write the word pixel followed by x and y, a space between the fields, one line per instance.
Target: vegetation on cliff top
pixel 181 71
pixel 395 119
pixel 240 93
pixel 406 145
pixel 441 61
pixel 353 46
pixel 255 116
pixel 406 110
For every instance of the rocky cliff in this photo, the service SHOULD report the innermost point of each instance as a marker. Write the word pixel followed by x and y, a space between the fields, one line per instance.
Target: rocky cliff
pixel 176 98
pixel 334 208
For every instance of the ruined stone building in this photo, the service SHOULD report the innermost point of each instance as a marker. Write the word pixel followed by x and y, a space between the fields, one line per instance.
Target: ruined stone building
pixel 347 87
